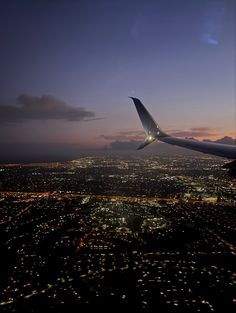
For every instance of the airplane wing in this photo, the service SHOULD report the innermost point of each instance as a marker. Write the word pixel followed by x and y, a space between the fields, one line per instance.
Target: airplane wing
pixel 153 132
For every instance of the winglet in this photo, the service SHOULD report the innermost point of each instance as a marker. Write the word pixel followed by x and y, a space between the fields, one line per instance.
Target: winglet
pixel 151 128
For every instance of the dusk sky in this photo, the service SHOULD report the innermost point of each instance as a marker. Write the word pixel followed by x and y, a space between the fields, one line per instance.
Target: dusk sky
pixel 69 67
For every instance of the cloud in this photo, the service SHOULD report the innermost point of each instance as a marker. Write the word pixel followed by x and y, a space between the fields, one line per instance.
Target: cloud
pixel 139 135
pixel 225 140
pixel 196 132
pixel 124 145
pixel 203 129
pixel 45 107
pixel 129 135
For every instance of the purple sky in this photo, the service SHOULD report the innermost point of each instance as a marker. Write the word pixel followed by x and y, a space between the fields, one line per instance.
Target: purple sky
pixel 66 63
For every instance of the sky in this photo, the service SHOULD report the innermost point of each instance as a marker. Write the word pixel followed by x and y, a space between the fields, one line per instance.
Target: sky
pixel 69 67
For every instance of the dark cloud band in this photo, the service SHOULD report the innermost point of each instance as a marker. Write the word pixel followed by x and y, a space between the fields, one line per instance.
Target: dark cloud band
pixel 45 107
